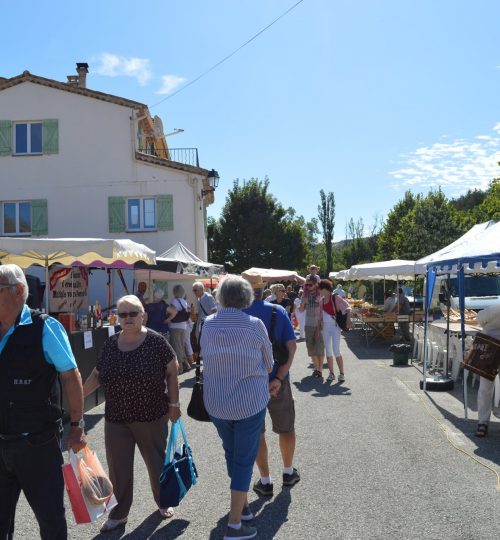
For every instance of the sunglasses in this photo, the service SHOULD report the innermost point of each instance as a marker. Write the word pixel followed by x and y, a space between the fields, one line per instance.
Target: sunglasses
pixel 131 314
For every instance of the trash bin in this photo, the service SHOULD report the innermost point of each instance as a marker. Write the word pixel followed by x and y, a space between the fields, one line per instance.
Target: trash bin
pixel 400 354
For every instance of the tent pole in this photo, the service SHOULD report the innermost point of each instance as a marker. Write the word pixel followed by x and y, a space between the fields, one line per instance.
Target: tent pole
pixel 47 285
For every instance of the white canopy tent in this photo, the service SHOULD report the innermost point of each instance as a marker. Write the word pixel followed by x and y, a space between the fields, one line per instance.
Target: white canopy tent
pixel 396 270
pixel 478 251
pixel 271 275
pixel 188 262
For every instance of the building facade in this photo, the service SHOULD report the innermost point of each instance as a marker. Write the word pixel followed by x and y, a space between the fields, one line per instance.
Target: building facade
pixel 76 162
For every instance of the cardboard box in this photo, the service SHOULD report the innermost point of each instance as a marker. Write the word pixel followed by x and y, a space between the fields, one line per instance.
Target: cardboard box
pixel 68 321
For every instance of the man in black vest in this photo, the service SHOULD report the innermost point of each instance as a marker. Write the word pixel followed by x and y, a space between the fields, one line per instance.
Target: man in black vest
pixel 34 354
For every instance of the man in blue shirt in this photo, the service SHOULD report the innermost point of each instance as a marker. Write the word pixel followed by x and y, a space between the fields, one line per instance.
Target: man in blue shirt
pixel 34 352
pixel 281 406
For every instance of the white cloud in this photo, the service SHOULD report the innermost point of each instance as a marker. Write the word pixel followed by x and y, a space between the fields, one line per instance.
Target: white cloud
pixel 456 166
pixel 113 65
pixel 170 83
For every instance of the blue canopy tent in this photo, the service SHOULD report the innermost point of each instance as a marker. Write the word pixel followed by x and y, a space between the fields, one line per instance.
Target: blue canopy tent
pixel 476 252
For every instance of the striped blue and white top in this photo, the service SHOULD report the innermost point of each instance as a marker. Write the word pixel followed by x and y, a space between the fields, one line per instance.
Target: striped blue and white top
pixel 237 355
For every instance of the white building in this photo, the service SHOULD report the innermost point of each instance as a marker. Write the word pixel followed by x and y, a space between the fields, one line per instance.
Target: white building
pixel 76 162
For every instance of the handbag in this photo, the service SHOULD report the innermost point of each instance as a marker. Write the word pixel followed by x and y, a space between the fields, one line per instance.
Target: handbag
pixel 182 315
pixel 280 351
pixel 340 318
pixel 89 490
pixel 179 472
pixel 196 408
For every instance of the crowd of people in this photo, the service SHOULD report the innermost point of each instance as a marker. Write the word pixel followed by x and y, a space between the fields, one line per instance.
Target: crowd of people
pixel 238 334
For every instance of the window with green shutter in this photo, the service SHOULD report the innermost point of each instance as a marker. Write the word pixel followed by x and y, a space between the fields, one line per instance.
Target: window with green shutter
pixel 50 136
pixel 116 214
pixel 39 217
pixel 5 138
pixel 165 205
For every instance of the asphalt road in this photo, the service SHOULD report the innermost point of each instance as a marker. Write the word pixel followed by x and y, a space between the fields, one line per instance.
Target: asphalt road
pixel 378 459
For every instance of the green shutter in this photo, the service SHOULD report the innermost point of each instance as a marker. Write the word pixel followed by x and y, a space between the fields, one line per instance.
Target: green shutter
pixel 205 220
pixel 165 207
pixel 5 138
pixel 39 217
pixel 116 211
pixel 50 136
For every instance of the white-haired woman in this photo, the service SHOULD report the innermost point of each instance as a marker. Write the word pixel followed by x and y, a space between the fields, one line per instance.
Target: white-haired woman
pixel 237 360
pixel 177 324
pixel 132 368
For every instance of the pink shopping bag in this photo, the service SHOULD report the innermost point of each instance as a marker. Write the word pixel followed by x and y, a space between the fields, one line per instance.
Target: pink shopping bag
pixel 89 490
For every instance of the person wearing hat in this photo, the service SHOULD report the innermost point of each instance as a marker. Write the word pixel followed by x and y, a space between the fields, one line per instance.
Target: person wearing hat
pixel 281 406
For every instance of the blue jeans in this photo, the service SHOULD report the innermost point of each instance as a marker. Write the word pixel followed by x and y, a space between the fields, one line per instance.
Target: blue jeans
pixel 240 440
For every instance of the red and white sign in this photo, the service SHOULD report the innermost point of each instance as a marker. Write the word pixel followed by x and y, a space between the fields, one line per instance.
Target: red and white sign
pixel 68 289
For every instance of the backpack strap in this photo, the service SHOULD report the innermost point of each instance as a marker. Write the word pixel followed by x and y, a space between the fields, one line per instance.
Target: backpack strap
pixel 270 333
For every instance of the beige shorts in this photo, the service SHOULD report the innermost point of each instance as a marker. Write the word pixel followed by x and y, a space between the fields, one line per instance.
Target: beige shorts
pixel 282 410
pixel 314 342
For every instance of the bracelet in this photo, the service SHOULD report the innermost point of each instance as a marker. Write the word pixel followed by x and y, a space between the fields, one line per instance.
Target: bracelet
pixel 280 380
pixel 177 404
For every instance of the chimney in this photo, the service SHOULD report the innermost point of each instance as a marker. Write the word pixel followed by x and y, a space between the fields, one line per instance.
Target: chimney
pixel 82 68
pixel 80 80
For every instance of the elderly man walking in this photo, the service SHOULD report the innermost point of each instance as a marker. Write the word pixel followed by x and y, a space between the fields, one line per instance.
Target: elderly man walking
pixel 34 350
pixel 281 406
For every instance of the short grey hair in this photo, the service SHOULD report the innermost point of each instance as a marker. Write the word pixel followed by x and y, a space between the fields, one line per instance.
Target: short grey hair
pixel 178 291
pixel 12 274
pixel 198 285
pixel 131 299
pixel 235 292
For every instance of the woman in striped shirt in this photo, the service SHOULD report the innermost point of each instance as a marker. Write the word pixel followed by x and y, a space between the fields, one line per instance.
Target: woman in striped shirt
pixel 237 357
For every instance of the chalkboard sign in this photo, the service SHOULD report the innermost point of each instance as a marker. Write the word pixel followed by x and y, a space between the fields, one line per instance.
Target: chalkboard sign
pixel 484 357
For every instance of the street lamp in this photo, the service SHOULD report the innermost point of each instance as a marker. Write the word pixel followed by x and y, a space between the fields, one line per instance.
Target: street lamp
pixel 213 182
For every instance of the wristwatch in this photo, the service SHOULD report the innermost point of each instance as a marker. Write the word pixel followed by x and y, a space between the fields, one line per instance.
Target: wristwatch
pixel 79 423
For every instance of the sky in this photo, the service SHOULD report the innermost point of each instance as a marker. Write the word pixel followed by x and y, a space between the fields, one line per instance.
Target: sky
pixel 363 99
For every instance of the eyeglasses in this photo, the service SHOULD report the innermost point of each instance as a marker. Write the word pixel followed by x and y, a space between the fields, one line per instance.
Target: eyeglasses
pixel 7 285
pixel 131 314
pixel 281 290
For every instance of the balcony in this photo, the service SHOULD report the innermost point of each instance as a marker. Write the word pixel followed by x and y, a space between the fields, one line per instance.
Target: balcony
pixel 188 156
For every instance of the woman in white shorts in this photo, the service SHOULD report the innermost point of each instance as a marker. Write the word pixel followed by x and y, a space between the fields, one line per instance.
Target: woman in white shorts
pixel 331 330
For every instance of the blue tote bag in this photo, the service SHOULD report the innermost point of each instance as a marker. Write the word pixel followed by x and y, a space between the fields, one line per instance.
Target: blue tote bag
pixel 179 472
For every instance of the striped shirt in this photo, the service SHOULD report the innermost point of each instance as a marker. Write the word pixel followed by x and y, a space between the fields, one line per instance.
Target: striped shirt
pixel 313 309
pixel 237 355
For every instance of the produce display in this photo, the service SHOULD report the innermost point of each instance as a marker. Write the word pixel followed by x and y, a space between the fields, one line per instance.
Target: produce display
pixel 470 316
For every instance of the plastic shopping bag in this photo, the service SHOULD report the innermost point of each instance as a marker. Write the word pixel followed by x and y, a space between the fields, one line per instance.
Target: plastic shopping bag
pixel 89 490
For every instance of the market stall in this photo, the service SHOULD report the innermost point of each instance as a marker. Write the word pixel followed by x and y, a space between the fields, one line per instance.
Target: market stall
pixel 272 275
pixel 476 252
pixel 62 255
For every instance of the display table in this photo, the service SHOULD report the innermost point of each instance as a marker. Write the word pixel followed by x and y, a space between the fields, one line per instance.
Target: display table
pixel 455 327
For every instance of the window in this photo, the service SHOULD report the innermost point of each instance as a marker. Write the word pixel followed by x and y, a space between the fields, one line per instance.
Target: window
pixel 28 138
pixel 17 218
pixel 141 214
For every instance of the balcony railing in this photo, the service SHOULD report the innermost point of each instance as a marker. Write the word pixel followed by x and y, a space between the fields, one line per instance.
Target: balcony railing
pixel 188 156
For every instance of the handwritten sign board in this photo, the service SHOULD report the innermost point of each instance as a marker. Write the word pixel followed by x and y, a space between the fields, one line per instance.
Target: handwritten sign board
pixel 68 289
pixel 484 357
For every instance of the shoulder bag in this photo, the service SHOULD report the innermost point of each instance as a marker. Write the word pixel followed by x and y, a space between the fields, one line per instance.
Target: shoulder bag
pixel 196 408
pixel 340 318
pixel 182 315
pixel 280 351
pixel 179 472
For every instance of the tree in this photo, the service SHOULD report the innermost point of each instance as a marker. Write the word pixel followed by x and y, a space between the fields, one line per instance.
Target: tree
pixel 426 228
pixel 255 230
pixel 386 242
pixel 326 217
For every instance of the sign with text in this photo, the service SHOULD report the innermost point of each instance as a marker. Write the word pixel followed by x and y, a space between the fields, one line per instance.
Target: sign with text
pixel 68 289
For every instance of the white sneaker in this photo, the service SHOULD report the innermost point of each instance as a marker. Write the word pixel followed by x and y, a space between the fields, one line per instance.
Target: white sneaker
pixel 341 377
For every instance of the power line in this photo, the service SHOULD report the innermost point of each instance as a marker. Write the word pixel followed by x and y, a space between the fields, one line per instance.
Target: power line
pixel 229 55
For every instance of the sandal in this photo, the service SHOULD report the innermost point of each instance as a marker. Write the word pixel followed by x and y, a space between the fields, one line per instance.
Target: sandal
pixel 112 524
pixel 482 430
pixel 166 513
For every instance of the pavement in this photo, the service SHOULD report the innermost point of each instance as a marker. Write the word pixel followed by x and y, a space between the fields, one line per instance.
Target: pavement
pixel 378 458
